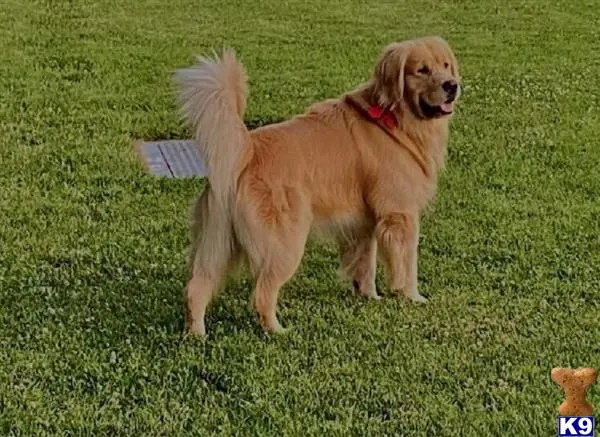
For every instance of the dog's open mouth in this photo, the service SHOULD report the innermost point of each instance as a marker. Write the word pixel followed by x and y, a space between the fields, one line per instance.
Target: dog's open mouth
pixel 433 111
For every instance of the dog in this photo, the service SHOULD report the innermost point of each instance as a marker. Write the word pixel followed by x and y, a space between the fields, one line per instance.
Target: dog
pixel 359 168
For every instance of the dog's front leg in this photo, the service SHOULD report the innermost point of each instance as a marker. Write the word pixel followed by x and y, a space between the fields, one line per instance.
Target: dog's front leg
pixel 398 236
pixel 411 241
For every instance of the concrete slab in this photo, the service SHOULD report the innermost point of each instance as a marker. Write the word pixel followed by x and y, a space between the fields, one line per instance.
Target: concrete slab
pixel 171 158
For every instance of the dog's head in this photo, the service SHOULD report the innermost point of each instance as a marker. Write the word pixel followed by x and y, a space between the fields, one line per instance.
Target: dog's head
pixel 420 75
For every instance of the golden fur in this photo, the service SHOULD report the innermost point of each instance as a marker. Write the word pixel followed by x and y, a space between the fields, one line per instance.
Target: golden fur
pixel 334 169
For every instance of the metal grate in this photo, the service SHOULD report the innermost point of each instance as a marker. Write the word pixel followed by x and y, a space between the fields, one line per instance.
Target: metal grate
pixel 171 158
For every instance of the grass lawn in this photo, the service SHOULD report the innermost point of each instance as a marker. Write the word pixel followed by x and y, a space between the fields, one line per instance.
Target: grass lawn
pixel 92 249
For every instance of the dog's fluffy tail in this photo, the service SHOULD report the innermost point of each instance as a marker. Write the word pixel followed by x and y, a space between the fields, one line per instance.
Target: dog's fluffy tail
pixel 212 99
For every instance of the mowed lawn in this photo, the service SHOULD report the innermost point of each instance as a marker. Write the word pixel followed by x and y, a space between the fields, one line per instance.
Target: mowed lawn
pixel 92 248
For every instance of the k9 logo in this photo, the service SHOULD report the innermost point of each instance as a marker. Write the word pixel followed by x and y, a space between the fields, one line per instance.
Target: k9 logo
pixel 571 426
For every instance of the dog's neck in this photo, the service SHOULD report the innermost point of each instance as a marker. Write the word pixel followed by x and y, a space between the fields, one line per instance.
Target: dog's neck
pixel 429 135
pixel 425 139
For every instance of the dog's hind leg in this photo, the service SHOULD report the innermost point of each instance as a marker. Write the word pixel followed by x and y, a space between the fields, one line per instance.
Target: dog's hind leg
pixel 264 298
pixel 359 263
pixel 283 256
pixel 211 252
pixel 274 243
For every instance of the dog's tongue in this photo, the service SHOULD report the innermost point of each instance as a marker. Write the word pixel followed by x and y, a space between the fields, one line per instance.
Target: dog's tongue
pixel 446 107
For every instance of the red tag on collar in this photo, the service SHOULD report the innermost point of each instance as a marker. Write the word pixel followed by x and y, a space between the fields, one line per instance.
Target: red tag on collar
pixel 389 120
pixel 377 112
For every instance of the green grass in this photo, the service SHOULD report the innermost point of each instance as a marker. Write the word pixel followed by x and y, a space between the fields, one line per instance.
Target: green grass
pixel 92 249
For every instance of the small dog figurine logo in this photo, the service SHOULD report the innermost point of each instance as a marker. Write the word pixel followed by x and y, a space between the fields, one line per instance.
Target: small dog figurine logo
pixel 575 383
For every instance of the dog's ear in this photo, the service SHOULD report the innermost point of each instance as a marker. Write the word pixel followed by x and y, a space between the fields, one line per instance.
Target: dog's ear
pixel 388 76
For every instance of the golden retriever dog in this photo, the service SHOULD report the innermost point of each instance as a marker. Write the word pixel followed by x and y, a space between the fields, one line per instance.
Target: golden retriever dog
pixel 359 168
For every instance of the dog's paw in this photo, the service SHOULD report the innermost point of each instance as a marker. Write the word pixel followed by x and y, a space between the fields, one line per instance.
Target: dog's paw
pixel 196 330
pixel 369 292
pixel 277 331
pixel 282 331
pixel 417 298
pixel 370 295
pixel 272 326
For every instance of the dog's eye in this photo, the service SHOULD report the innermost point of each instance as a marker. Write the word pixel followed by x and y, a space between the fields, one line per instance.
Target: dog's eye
pixel 446 65
pixel 423 70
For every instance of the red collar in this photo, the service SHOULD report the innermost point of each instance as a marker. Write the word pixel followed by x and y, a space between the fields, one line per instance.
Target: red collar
pixel 387 117
pixel 384 118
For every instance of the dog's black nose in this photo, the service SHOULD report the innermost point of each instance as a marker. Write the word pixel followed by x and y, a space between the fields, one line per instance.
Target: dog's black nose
pixel 450 86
